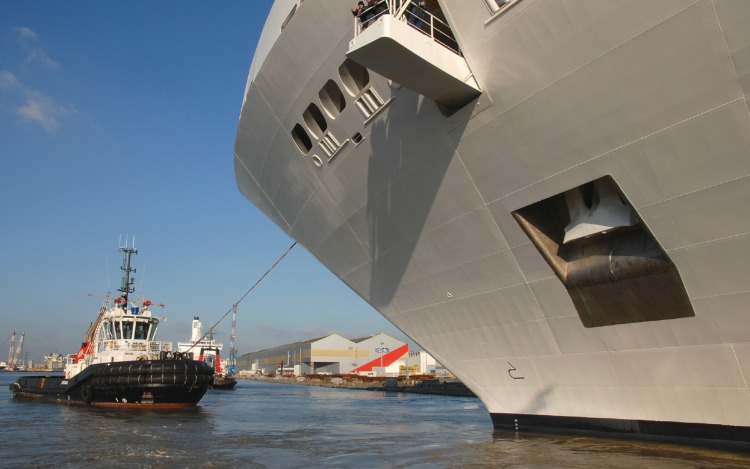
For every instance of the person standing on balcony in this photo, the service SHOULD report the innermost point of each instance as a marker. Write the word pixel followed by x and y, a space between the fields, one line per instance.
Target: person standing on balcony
pixel 359 9
pixel 416 13
pixel 380 7
pixel 366 12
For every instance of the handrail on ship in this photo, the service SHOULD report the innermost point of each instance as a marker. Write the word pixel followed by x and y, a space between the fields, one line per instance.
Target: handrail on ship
pixel 422 20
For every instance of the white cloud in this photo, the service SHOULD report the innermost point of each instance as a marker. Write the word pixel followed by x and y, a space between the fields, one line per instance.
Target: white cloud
pixel 27 39
pixel 41 57
pixel 25 34
pixel 31 105
pixel 8 80
pixel 43 111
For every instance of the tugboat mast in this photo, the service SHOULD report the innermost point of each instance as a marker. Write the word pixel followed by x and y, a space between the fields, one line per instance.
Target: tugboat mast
pixel 127 281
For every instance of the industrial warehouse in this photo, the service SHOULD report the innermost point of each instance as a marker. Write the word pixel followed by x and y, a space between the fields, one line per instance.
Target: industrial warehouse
pixel 376 355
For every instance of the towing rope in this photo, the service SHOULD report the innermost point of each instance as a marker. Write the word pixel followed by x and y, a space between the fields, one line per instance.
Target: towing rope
pixel 210 329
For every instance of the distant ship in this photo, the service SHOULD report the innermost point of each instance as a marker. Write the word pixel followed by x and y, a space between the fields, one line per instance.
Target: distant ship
pixel 550 197
pixel 120 364
pixel 54 362
pixel 209 351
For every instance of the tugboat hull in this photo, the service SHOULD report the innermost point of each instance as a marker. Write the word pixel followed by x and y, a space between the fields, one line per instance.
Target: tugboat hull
pixel 223 382
pixel 141 383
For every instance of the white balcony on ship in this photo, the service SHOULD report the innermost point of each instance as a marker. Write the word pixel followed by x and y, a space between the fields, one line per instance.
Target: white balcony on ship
pixel 416 49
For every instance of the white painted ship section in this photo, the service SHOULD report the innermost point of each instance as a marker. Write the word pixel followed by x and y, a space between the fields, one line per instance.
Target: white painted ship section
pixel 417 217
pixel 396 50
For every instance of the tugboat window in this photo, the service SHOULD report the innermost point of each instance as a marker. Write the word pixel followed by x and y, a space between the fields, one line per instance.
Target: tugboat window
pixel 127 330
pixel 118 330
pixel 141 331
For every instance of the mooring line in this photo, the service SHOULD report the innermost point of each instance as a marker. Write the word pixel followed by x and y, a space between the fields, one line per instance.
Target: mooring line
pixel 210 329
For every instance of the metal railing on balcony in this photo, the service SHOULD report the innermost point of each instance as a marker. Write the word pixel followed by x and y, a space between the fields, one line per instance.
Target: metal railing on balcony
pixel 415 15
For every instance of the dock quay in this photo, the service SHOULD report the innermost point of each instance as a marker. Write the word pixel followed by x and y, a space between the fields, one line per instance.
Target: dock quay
pixel 416 385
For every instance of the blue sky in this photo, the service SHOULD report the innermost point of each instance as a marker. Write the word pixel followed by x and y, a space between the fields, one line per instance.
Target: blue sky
pixel 119 118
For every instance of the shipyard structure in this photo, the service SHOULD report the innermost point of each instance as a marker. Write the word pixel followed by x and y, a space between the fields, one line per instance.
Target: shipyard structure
pixel 376 355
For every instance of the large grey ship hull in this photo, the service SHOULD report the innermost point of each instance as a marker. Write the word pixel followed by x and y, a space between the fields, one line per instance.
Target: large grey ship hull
pixel 452 222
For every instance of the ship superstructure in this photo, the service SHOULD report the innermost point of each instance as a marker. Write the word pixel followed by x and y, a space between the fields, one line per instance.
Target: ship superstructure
pixel 206 349
pixel 203 347
pixel 557 212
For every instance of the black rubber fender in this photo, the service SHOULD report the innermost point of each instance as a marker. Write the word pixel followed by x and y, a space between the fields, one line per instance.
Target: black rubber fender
pixel 153 368
pixel 150 379
pixel 87 395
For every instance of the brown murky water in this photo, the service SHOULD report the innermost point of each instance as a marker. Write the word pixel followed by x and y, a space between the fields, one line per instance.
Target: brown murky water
pixel 273 425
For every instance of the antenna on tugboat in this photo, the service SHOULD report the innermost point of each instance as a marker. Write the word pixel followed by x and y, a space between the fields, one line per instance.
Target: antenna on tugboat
pixel 127 280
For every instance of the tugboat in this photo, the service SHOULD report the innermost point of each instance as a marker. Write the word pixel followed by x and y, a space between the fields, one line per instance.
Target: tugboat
pixel 209 353
pixel 120 364
pixel 222 379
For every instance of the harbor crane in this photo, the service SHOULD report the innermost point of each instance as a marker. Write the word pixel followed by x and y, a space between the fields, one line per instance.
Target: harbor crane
pixel 232 364
pixel 13 358
pixel 12 346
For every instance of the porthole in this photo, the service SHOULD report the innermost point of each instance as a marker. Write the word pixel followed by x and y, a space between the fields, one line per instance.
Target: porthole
pixel 354 76
pixel 332 99
pixel 301 138
pixel 315 121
